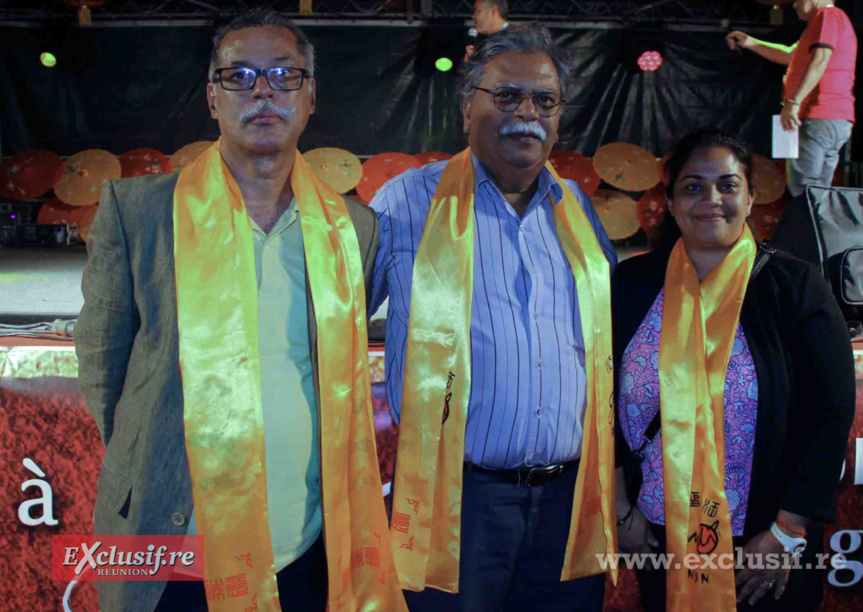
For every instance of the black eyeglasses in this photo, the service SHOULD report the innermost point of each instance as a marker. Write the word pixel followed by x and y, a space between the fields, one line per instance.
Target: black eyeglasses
pixel 241 78
pixel 508 99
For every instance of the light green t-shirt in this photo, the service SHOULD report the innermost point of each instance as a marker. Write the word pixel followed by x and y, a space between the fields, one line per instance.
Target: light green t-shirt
pixel 287 388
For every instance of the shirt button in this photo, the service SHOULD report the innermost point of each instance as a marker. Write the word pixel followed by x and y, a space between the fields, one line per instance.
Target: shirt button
pixel 521 228
pixel 178 519
pixel 538 411
pixel 539 364
pixel 534 316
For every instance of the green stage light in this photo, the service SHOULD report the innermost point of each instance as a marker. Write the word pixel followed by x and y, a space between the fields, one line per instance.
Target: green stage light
pixel 48 60
pixel 444 64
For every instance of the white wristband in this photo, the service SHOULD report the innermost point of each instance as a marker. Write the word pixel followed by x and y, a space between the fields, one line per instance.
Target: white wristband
pixel 792 545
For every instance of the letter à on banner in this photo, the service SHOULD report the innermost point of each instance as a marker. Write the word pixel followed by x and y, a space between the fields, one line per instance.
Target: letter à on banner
pixel 126 557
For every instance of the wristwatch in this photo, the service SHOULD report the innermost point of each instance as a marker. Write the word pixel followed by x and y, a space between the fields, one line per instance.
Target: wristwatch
pixel 792 545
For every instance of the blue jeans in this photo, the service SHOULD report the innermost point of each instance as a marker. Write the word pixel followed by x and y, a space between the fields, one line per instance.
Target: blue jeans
pixel 513 541
pixel 820 142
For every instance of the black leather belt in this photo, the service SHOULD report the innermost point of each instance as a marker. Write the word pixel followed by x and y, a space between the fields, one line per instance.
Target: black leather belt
pixel 525 476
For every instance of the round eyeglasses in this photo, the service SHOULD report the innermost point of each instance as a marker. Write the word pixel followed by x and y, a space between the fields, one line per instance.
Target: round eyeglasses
pixel 241 78
pixel 508 99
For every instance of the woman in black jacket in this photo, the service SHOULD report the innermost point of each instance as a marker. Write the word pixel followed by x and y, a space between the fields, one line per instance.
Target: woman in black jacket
pixel 755 456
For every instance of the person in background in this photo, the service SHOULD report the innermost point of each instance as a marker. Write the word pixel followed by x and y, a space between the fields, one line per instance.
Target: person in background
pixel 498 353
pixel 489 17
pixel 215 346
pixel 818 88
pixel 736 394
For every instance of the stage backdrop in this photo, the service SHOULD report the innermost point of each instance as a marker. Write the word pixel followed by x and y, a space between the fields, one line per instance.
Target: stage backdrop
pixel 122 88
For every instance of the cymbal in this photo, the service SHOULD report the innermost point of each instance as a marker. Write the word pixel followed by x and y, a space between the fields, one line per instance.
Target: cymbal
pixel 576 167
pixel 768 180
pixel 138 162
pixel 339 169
pixel 652 208
pixel 83 175
pixel 431 157
pixel 189 153
pixel 617 211
pixel 765 217
pixel 380 168
pixel 30 174
pixel 626 166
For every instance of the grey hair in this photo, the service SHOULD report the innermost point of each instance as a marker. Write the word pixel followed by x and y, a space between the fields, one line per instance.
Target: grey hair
pixel 526 38
pixel 258 18
pixel 502 7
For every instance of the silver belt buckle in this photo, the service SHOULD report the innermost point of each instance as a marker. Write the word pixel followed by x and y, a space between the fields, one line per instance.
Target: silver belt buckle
pixel 549 470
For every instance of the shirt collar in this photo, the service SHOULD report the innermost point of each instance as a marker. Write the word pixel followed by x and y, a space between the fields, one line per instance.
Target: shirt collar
pixel 546 182
pixel 284 222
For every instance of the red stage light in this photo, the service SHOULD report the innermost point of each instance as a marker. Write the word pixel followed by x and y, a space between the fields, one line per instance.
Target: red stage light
pixel 650 61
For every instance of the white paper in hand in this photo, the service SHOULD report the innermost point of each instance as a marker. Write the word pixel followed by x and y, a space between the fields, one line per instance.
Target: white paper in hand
pixel 785 144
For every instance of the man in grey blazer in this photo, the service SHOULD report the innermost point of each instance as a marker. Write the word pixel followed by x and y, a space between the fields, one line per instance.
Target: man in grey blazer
pixel 127 334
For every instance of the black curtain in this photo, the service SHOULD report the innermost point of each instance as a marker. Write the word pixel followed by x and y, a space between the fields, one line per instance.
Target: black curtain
pixel 122 88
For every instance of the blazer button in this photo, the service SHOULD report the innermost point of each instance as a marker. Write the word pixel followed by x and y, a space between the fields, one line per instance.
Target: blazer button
pixel 178 519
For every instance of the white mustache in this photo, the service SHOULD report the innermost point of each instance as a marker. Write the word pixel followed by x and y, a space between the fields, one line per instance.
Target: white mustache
pixel 265 106
pixel 524 127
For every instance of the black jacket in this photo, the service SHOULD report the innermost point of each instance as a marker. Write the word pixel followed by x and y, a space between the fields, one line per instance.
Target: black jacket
pixel 806 389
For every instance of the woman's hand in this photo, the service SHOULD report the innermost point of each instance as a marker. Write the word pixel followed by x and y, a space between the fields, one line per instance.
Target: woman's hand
pixel 752 583
pixel 634 534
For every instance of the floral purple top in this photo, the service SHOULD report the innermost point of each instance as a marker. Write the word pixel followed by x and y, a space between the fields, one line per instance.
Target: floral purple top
pixel 639 403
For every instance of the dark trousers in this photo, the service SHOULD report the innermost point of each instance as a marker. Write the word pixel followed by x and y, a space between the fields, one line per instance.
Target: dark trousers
pixel 302 586
pixel 803 592
pixel 513 540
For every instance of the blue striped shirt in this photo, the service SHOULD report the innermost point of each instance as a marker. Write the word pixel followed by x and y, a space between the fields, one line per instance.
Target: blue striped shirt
pixel 527 395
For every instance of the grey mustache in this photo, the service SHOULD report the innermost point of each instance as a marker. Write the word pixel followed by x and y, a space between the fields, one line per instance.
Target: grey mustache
pixel 524 127
pixel 262 107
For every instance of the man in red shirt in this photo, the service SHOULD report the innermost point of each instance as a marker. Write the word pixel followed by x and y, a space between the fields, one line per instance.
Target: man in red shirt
pixel 818 91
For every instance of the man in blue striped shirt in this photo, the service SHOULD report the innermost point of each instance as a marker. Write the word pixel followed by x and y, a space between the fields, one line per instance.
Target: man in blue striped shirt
pixel 523 436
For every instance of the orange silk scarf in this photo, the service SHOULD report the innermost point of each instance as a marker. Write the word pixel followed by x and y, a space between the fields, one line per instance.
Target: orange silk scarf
pixel 426 520
pixel 699 321
pixel 217 299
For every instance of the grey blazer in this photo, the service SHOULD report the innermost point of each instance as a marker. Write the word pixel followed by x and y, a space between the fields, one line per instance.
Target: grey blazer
pixel 129 373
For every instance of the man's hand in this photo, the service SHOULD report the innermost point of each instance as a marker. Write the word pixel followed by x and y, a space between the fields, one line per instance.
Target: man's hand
pixel 788 117
pixel 468 52
pixel 634 535
pixel 739 40
pixel 752 583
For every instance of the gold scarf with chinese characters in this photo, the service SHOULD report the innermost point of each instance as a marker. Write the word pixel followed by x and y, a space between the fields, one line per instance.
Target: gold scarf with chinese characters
pixel 217 303
pixel 426 520
pixel 699 321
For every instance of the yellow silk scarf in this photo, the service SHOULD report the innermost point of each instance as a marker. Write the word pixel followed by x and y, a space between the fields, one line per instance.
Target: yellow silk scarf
pixel 699 321
pixel 426 520
pixel 218 327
